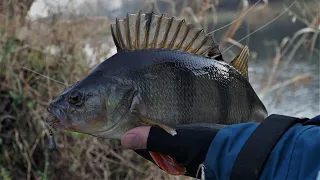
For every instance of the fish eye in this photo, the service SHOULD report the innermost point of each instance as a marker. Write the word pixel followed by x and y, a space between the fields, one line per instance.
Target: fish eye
pixel 75 97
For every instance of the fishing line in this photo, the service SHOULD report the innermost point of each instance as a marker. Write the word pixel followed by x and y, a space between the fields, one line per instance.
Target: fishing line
pixel 235 19
pixel 45 76
pixel 262 26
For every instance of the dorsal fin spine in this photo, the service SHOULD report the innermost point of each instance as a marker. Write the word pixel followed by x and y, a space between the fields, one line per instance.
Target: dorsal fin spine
pixel 185 36
pixel 240 62
pixel 244 55
pixel 138 30
pixel 175 35
pixel 121 43
pixel 128 32
pixel 200 45
pixel 164 41
pixel 206 50
pixel 193 39
pixel 149 21
pixel 145 31
pixel 115 37
pixel 155 40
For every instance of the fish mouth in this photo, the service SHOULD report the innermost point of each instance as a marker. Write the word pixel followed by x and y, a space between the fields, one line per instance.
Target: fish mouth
pixel 56 117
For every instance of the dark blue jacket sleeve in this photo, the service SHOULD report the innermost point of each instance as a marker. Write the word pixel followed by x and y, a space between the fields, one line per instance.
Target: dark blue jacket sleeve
pixel 295 156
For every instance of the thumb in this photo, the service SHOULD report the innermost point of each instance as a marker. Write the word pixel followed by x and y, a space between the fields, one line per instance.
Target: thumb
pixel 136 138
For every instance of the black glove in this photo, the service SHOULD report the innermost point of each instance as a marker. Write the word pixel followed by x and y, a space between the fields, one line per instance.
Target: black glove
pixel 189 147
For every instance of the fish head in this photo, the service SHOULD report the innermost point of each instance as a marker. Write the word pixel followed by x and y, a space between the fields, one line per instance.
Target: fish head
pixel 81 108
pixel 97 105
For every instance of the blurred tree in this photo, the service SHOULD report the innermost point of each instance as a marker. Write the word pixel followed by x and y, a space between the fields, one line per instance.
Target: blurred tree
pixel 15 8
pixel 12 16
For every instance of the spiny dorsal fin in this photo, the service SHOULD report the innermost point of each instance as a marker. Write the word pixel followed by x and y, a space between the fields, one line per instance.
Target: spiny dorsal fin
pixel 151 31
pixel 240 62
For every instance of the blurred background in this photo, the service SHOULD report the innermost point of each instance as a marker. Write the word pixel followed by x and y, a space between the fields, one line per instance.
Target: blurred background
pixel 48 45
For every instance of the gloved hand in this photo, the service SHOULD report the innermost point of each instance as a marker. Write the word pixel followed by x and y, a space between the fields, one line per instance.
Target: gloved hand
pixel 188 148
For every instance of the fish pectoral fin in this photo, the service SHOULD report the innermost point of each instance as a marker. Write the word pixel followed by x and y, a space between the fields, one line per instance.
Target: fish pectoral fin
pixel 167 163
pixel 168 129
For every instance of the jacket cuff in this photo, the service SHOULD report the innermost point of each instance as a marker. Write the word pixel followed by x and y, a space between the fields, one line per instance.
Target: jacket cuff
pixel 224 149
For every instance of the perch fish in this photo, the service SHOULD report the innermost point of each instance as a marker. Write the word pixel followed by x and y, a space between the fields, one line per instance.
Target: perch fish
pixel 166 72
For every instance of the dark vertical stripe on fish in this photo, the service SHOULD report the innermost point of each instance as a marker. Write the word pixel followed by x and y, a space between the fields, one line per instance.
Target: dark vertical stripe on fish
pixel 185 81
pixel 251 102
pixel 224 94
pixel 190 95
pixel 180 92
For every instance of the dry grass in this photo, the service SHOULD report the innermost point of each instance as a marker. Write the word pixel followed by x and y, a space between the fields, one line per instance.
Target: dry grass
pixel 24 95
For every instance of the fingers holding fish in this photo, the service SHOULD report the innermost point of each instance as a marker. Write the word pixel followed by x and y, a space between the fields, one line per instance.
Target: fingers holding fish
pixel 136 138
pixel 176 155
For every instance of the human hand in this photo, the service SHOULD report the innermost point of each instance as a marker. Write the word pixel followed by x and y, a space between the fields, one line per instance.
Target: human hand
pixel 180 154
